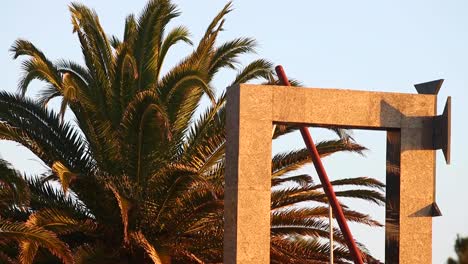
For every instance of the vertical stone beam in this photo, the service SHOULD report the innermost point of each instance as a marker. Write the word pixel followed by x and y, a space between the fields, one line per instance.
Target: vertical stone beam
pixel 392 206
pixel 247 196
pixel 417 176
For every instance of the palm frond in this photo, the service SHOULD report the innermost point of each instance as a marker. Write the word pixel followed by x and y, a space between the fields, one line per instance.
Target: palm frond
pixel 176 35
pixel 56 140
pixel 28 252
pixel 14 190
pixel 217 20
pixel 303 180
pixel 36 67
pixel 44 195
pixel 115 42
pixel 130 30
pixel 225 56
pixel 60 222
pixel 144 127
pixel 151 25
pixel 86 22
pixel 64 174
pixel 291 196
pixel 299 250
pixel 257 69
pixel 21 232
pixel 366 195
pixel 205 142
pixel 290 161
pixel 141 241
pixel 124 205
pixel 358 181
pixel 182 89
pixel 311 212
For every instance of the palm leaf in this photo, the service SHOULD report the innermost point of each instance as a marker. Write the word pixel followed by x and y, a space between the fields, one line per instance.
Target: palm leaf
pixel 37 67
pixel 60 222
pixel 124 205
pixel 225 56
pixel 14 191
pixel 176 35
pixel 56 140
pixel 286 162
pixel 141 241
pixel 151 24
pixel 21 232
pixel 256 69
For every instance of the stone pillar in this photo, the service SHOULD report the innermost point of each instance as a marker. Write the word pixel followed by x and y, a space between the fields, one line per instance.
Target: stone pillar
pixel 248 178
pixel 392 203
pixel 417 186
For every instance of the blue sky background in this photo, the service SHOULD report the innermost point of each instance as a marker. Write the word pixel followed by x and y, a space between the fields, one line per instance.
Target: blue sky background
pixel 362 44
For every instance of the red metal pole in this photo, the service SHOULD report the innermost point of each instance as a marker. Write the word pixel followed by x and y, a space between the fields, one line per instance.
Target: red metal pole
pixel 327 187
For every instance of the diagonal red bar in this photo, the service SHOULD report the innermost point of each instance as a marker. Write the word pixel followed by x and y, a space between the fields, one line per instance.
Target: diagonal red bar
pixel 327 187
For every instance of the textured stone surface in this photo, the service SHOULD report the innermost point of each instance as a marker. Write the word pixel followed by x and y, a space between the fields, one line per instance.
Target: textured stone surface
pixel 251 111
pixel 417 173
pixel 248 172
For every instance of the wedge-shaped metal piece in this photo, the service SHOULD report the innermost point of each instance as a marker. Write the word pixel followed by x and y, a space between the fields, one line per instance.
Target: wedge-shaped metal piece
pixel 442 130
pixel 432 87
pixel 435 211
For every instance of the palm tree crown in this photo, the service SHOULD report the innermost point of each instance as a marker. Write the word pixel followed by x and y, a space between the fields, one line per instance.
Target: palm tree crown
pixel 141 174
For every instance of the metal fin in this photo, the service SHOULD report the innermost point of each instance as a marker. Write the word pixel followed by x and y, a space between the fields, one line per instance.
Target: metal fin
pixel 432 87
pixel 442 130
pixel 435 211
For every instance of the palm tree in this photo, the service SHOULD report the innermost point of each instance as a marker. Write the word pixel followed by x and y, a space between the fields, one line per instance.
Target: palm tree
pixel 461 248
pixel 140 174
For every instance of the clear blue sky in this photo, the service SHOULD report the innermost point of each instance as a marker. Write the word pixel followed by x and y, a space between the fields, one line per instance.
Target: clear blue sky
pixel 365 45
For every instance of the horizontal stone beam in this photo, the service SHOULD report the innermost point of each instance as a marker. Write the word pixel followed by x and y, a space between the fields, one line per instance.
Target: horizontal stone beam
pixel 345 108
